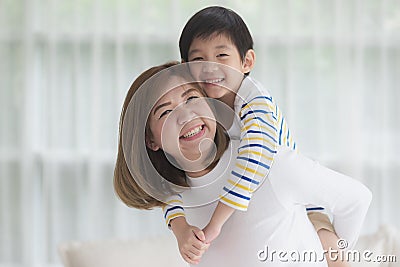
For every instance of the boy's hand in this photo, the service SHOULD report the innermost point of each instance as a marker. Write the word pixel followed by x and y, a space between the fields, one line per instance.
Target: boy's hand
pixel 211 232
pixel 190 240
pixel 221 214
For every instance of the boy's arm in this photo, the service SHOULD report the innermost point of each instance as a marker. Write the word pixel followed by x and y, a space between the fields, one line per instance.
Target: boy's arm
pixel 327 236
pixel 258 141
pixel 221 214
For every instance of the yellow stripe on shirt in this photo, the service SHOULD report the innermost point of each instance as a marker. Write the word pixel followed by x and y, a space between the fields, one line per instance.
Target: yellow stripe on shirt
pixel 258 125
pixel 270 107
pixel 249 170
pixel 240 186
pixel 246 151
pixel 268 118
pixel 233 202
pixel 174 201
pixel 173 216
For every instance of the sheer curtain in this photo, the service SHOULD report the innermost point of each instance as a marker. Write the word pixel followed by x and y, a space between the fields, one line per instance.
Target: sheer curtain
pixel 333 66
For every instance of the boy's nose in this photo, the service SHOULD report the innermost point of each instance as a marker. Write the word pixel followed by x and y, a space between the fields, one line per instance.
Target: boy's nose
pixel 209 67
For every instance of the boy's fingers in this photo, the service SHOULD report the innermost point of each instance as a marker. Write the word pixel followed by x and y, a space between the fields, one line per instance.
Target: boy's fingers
pixel 193 258
pixel 199 234
pixel 199 245
pixel 195 252
pixel 188 260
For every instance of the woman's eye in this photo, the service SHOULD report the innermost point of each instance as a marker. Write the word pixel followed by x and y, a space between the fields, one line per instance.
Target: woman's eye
pixel 165 113
pixel 190 98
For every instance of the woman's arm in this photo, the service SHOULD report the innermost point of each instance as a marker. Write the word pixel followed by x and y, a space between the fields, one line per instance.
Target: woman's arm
pixel 190 240
pixel 173 208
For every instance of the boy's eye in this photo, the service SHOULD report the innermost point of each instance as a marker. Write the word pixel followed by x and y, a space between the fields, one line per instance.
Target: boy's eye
pixel 196 59
pixel 222 55
pixel 165 113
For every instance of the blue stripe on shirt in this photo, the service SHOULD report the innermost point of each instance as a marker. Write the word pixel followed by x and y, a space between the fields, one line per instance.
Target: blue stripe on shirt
pixel 257 145
pixel 257 97
pixel 280 132
pixel 260 119
pixel 261 132
pixel 314 208
pixel 170 209
pixel 257 111
pixel 236 194
pixel 255 162
pixel 245 178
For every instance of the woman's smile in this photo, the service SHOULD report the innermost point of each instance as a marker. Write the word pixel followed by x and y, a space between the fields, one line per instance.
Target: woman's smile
pixel 193 133
pixel 180 121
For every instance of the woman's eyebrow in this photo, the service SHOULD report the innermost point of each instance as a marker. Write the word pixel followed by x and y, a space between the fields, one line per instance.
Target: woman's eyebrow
pixel 160 106
pixel 169 103
pixel 189 91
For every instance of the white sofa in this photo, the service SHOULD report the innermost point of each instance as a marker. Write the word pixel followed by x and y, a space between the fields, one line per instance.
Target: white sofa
pixel 163 251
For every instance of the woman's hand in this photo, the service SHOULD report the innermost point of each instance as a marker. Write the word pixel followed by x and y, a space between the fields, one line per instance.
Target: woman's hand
pixel 190 240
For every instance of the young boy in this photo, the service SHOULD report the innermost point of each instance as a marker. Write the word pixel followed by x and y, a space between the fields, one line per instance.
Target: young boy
pixel 216 34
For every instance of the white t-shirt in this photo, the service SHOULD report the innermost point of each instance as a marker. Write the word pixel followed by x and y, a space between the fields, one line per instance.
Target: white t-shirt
pixel 276 221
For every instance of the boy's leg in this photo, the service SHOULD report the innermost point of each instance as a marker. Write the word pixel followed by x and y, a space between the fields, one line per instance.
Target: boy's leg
pixel 320 221
pixel 328 238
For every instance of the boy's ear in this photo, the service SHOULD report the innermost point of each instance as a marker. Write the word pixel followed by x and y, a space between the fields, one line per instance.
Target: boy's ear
pixel 249 61
pixel 150 144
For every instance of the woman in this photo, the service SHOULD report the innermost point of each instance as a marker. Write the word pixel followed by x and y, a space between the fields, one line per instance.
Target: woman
pixel 178 143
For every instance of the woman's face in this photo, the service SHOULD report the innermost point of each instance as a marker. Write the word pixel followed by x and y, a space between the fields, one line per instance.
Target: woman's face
pixel 182 123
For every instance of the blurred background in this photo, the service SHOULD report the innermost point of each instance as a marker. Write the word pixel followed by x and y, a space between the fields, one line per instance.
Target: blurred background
pixel 65 66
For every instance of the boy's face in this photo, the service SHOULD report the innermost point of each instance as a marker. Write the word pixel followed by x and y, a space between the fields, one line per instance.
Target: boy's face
pixel 219 80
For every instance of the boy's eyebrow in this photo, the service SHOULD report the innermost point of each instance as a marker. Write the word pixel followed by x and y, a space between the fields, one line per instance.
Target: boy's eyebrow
pixel 221 46
pixel 217 47
pixel 193 51
pixel 169 103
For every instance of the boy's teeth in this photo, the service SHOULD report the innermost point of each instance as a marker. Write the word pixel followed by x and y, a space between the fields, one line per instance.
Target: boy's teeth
pixel 214 80
pixel 193 132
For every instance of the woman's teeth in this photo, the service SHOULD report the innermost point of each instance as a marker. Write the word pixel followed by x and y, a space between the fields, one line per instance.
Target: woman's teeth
pixel 193 132
pixel 214 80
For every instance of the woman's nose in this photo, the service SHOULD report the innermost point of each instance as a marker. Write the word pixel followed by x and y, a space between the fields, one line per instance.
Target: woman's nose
pixel 184 115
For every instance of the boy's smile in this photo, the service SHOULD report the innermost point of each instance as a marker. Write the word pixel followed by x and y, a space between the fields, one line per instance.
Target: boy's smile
pixel 223 78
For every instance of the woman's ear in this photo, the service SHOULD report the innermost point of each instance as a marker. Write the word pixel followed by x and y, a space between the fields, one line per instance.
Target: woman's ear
pixel 151 145
pixel 249 61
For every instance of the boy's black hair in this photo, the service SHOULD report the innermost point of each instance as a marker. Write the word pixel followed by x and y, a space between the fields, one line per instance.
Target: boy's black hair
pixel 216 20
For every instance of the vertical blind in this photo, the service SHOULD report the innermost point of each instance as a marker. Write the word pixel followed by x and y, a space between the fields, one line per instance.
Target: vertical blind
pixel 65 66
